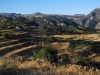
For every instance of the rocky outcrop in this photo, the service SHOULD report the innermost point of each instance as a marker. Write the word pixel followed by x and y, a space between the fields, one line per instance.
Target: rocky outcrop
pixel 92 20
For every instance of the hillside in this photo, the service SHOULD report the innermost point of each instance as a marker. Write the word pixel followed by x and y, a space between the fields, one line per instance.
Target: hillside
pixel 49 44
pixel 92 20
pixel 17 47
pixel 44 23
pixel 41 24
pixel 11 20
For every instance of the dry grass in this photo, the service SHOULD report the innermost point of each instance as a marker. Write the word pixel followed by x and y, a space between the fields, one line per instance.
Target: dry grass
pixel 12 31
pixel 10 46
pixel 42 67
pixel 97 58
pixel 45 68
pixel 19 50
pixel 88 37
pixel 60 45
pixel 10 41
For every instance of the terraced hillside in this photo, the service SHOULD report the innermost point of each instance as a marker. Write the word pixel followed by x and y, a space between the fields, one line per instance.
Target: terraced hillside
pixel 16 42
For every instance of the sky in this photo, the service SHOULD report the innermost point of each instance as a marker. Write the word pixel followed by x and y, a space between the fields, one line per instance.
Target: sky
pixel 66 7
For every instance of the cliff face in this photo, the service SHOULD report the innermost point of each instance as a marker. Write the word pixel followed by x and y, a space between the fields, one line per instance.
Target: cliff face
pixel 92 20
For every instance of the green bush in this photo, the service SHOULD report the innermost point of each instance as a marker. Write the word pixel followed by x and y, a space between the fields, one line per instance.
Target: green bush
pixel 48 53
pixel 51 39
pixel 5 36
pixel 83 62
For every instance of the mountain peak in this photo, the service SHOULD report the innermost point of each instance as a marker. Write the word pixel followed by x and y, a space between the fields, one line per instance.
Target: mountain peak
pixel 37 13
pixel 92 20
pixel 97 9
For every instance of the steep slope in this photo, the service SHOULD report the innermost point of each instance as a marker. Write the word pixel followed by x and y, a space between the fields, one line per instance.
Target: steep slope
pixel 92 20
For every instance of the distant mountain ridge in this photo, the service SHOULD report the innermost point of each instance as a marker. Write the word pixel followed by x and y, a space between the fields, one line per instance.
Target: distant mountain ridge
pixel 13 14
pixel 41 15
pixel 75 18
pixel 92 20
pixel 38 14
pixel 37 19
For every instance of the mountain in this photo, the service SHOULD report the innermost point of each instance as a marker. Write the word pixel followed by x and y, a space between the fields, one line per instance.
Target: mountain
pixel 37 14
pixel 76 17
pixel 41 20
pixel 44 23
pixel 92 20
pixel 11 19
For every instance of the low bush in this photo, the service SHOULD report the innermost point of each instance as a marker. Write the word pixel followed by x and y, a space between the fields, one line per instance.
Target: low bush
pixel 7 36
pixel 47 53
pixel 82 62
pixel 51 39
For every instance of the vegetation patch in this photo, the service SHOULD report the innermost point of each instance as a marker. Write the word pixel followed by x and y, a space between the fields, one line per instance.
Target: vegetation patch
pixel 47 53
pixel 51 39
pixel 83 62
pixel 7 36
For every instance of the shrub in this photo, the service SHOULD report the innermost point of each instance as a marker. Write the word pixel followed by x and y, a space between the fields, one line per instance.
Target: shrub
pixel 5 36
pixel 83 62
pixel 50 54
pixel 51 39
